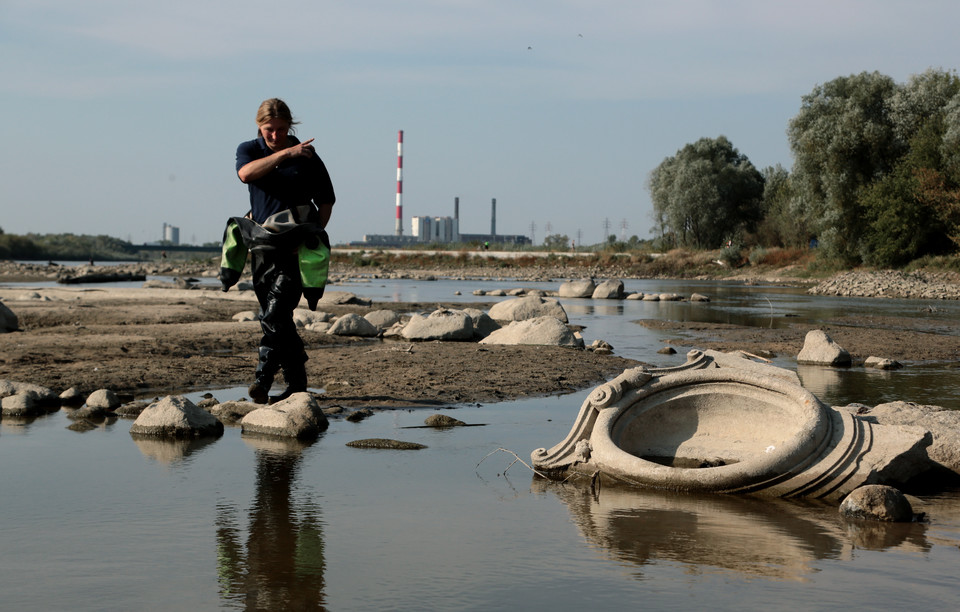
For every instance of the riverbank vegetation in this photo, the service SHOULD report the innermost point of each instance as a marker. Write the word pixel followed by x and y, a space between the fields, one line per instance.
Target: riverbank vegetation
pixel 875 180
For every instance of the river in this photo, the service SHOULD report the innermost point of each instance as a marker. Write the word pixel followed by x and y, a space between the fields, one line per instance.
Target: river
pixel 99 521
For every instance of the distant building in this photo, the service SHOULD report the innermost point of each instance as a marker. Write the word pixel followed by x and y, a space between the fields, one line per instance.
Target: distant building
pixel 435 229
pixel 171 234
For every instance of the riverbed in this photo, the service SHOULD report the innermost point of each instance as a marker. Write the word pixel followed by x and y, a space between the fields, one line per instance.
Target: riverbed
pixel 99 521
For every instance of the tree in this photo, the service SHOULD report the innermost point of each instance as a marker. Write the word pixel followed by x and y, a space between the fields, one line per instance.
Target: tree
pixel 842 140
pixel 705 194
pixel 556 242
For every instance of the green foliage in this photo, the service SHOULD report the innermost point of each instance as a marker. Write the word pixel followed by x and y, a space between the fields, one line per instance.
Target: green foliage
pixel 556 242
pixel 868 154
pixel 842 139
pixel 706 193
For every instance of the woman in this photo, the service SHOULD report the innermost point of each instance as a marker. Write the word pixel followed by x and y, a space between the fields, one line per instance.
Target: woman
pixel 291 199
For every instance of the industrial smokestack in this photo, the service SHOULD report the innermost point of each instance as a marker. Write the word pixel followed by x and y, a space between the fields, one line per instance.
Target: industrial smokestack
pixel 398 230
pixel 493 217
pixel 456 208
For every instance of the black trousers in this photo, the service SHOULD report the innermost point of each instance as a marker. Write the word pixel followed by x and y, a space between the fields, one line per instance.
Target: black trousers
pixel 276 281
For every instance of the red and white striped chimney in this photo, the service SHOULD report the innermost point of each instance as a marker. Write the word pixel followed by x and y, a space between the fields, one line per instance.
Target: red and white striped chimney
pixel 399 229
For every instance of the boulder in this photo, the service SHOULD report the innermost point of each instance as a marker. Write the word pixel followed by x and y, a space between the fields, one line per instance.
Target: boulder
pixel 72 397
pixel 439 325
pixel 651 297
pixel 577 288
pixel 233 411
pixel 342 297
pixel 299 416
pixel 305 318
pixel 878 503
pixel 609 290
pixel 21 404
pixel 531 307
pixel 176 417
pixel 542 330
pixel 442 420
pixel 382 319
pixel 943 425
pixel 246 315
pixel 104 399
pixel 820 349
pixel 699 297
pixel 635 296
pixel 483 324
pixel 670 297
pixel 8 320
pixel 352 324
pixel 42 396
pixel 882 363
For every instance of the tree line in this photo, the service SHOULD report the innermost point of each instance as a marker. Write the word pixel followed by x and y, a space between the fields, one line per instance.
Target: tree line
pixel 64 247
pixel 875 177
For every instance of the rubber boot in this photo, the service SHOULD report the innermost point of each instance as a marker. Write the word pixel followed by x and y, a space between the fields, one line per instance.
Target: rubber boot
pixel 295 373
pixel 260 389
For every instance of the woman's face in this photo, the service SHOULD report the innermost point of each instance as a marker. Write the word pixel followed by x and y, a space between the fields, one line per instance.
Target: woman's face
pixel 274 133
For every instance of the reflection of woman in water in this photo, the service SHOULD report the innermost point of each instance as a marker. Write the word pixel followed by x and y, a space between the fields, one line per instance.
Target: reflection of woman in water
pixel 282 568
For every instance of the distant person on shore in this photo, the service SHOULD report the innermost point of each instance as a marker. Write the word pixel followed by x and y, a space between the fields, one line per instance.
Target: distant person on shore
pixel 291 199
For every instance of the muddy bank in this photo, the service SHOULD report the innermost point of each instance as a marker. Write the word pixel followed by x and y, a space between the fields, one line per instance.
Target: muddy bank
pixel 146 342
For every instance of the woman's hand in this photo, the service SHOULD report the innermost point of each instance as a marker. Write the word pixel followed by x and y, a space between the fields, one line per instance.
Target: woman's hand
pixel 304 149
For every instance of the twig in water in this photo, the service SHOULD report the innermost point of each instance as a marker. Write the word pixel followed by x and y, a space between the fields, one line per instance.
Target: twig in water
pixel 516 459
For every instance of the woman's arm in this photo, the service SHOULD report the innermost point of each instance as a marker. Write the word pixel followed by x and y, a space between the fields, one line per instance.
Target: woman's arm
pixel 259 168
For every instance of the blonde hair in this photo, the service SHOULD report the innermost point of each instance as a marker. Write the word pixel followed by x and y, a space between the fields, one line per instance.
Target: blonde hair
pixel 275 108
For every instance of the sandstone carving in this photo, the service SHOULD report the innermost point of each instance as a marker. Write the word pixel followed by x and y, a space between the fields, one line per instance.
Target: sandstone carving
pixel 722 423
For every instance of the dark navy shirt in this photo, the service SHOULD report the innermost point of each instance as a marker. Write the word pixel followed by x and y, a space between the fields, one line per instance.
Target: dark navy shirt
pixel 294 182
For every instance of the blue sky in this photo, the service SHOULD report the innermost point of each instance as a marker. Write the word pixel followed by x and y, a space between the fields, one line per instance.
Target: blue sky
pixel 122 115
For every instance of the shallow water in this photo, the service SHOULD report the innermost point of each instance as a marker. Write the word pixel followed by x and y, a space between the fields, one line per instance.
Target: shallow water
pixel 99 521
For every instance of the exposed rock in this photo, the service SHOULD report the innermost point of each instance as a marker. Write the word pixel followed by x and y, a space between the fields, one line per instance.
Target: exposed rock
pixel 443 420
pixel 103 398
pixel 667 350
pixel 820 349
pixel 531 307
pixel 382 319
pixel 352 324
pixel 358 415
pixel 133 409
pixel 670 297
pixel 882 363
pixel 439 325
pixel 577 288
pixel 635 296
pixel 246 315
pixel 40 397
pixel 384 443
pixel 483 324
pixel 21 404
pixel 72 397
pixel 888 283
pixel 699 297
pixel 89 412
pixel 609 290
pixel 176 417
pixel 8 320
pixel 234 411
pixel 303 317
pixel 651 297
pixel 878 503
pixel 542 330
pixel 342 297
pixel 82 425
pixel 299 416
pixel 943 425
